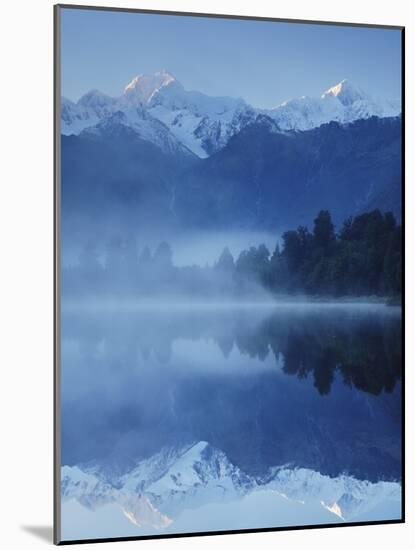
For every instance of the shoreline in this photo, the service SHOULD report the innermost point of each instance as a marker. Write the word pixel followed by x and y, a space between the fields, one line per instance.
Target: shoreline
pixel 273 303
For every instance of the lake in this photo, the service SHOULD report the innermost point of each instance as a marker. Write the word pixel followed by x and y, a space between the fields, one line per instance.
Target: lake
pixel 226 416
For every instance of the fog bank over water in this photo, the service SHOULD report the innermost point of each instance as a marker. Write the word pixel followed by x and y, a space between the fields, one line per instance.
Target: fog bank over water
pixel 190 248
pixel 262 305
pixel 206 247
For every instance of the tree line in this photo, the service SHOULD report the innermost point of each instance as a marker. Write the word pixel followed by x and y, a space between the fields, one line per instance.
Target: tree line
pixel 364 258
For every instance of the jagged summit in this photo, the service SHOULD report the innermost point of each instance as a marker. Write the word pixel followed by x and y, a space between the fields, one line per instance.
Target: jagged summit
pixel 143 86
pixel 346 93
pixel 95 99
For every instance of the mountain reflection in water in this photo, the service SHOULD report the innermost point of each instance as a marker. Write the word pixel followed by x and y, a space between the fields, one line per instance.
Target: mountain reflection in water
pixel 314 387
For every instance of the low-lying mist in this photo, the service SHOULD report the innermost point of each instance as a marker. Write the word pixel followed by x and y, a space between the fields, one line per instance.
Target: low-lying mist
pixel 188 248
pixel 209 268
pixel 205 248
pixel 362 259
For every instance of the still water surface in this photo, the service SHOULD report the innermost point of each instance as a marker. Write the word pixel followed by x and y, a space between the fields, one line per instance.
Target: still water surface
pixel 226 410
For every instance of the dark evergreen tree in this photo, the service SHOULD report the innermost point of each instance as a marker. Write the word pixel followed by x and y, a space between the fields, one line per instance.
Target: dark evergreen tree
pixel 226 263
pixel 392 266
pixel 293 252
pixel 278 273
pixel 324 235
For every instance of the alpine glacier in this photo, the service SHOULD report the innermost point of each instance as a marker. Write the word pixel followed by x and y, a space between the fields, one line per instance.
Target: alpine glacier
pixel 204 124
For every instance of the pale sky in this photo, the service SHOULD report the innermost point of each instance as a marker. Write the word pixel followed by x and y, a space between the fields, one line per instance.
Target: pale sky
pixel 263 62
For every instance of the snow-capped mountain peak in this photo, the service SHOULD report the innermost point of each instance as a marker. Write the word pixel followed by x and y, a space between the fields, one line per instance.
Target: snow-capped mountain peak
pixel 346 93
pixel 343 103
pixel 96 99
pixel 204 124
pixel 143 87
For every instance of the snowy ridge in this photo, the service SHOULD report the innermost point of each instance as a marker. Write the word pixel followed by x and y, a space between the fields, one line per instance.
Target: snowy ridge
pixel 159 489
pixel 343 103
pixel 204 124
pixel 144 126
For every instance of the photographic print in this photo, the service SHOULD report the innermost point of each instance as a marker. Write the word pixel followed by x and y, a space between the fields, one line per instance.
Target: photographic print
pixel 228 274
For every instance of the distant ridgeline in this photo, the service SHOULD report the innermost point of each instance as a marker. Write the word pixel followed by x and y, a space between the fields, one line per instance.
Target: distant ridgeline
pixel 364 258
pixel 263 179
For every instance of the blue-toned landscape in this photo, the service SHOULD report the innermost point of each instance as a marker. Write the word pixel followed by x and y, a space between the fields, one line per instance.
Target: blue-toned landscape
pixel 231 268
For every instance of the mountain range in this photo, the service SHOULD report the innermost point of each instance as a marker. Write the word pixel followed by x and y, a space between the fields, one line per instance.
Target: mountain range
pixel 161 156
pixel 204 124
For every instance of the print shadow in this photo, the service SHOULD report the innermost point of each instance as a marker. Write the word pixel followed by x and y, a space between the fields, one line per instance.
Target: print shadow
pixel 43 532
